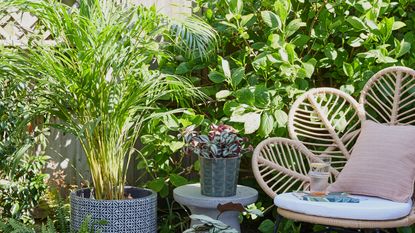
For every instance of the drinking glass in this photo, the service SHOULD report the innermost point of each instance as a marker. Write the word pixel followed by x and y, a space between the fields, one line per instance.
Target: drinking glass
pixel 319 175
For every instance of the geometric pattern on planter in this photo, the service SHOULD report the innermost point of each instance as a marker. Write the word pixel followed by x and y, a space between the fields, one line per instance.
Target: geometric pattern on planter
pixel 138 215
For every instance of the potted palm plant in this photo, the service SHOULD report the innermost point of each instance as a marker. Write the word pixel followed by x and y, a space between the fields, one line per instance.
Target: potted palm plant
pixel 97 84
pixel 219 154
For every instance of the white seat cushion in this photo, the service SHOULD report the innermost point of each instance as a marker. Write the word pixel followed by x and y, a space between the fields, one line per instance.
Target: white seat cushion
pixel 369 208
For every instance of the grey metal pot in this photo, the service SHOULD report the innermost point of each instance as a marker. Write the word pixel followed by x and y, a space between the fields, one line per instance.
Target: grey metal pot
pixel 137 215
pixel 219 177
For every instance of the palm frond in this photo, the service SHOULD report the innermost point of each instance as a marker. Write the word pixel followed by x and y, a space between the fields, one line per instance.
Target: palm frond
pixel 194 37
pixel 96 80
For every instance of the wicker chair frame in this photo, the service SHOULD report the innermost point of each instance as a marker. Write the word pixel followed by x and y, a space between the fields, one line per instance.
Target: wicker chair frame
pixel 327 121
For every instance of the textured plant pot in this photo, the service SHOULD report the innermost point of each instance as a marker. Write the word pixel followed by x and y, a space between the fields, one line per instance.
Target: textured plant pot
pixel 137 215
pixel 219 177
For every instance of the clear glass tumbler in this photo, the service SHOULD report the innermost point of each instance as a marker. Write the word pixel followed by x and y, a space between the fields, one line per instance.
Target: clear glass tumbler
pixel 319 175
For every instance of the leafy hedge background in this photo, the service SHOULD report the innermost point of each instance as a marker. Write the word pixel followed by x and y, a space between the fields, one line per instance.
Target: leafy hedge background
pixel 270 52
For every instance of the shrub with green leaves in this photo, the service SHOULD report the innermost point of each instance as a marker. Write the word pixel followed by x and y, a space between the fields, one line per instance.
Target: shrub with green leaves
pixel 22 181
pixel 272 51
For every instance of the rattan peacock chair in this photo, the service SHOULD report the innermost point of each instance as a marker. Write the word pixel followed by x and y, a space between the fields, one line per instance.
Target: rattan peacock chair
pixel 327 121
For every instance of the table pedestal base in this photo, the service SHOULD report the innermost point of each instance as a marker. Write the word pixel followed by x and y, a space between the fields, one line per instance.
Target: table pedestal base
pixel 190 196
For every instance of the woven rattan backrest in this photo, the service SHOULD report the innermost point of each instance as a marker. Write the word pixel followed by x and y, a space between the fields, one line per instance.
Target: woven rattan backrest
pixel 389 96
pixel 281 165
pixel 326 121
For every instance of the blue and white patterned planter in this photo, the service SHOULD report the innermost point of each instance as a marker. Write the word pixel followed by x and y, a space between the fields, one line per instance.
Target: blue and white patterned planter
pixel 137 215
pixel 219 176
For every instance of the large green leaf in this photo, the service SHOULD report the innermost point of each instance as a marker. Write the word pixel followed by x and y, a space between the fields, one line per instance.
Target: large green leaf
pixel 216 77
pixel 178 180
pixel 267 226
pixel 356 22
pixel 238 75
pixel 271 19
pixel 267 124
pixel 293 26
pixel 281 118
pixel 156 185
pixel 236 6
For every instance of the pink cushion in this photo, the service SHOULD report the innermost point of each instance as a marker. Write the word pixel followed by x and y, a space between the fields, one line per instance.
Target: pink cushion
pixel 382 163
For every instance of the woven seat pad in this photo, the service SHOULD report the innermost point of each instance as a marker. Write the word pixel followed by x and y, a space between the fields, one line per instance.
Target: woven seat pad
pixel 369 208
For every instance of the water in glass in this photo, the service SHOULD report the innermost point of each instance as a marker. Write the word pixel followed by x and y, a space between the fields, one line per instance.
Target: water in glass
pixel 319 175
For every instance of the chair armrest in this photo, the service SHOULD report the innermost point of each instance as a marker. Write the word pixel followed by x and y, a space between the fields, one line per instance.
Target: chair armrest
pixel 281 165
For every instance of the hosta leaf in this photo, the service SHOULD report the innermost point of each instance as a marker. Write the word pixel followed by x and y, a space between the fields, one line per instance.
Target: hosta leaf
pixel 256 212
pixel 340 123
pixel 385 59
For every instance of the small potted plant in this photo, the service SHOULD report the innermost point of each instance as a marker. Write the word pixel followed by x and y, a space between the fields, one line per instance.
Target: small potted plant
pixel 219 154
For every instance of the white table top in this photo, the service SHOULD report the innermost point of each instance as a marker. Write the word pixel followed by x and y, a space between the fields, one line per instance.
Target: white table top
pixel 190 195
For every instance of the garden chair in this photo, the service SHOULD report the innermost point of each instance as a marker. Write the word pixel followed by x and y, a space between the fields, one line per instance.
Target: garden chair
pixel 327 121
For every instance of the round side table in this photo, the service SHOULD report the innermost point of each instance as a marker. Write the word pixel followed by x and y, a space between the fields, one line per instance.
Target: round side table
pixel 190 196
